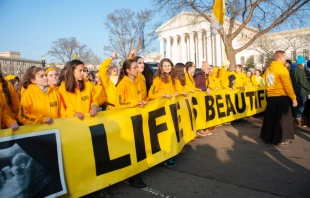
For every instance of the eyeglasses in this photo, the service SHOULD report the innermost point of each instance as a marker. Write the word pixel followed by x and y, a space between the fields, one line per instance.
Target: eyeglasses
pixel 134 67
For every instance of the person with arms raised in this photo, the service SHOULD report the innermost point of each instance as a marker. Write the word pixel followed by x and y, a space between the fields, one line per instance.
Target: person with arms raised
pixel 108 75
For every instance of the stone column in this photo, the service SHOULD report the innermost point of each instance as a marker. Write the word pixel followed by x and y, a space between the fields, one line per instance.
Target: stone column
pixel 162 50
pixel 209 48
pixel 183 46
pixel 192 47
pixel 175 50
pixel 200 50
pixel 168 48
pixel 218 50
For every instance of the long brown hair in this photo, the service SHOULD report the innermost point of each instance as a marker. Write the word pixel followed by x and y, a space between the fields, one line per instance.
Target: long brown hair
pixel 123 72
pixel 6 90
pixel 30 75
pixel 69 76
pixel 187 66
pixel 177 73
pixel 160 72
pixel 62 73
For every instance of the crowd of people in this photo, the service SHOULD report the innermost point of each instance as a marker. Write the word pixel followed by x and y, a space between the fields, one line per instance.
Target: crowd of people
pixel 44 95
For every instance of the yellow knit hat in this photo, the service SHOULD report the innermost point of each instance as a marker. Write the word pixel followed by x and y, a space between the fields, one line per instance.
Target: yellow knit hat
pixel 10 77
pixel 49 69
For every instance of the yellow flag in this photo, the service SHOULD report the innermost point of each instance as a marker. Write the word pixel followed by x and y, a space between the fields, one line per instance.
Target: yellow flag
pixel 218 14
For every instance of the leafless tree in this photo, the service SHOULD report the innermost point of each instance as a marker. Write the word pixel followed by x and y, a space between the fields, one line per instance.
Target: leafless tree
pixel 263 15
pixel 268 44
pixel 63 49
pixel 123 26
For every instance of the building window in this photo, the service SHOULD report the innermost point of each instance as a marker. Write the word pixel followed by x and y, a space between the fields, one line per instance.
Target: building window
pixel 242 60
pixel 306 54
pixel 261 58
pixel 293 55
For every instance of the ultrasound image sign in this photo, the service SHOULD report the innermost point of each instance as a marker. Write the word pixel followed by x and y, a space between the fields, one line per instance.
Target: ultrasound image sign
pixel 31 165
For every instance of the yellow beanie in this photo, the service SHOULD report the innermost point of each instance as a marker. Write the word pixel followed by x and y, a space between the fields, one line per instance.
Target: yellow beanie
pixel 49 69
pixel 10 77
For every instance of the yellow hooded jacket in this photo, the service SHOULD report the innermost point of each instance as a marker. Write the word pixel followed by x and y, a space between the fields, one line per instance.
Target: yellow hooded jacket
pixel 189 83
pixel 248 82
pixel 36 106
pixel 79 101
pixel 6 120
pixel 278 81
pixel 128 93
pixel 100 94
pixel 159 88
pixel 142 86
pixel 178 86
pixel 108 85
pixel 214 83
pixel 13 109
pixel 240 80
pixel 258 81
pixel 223 76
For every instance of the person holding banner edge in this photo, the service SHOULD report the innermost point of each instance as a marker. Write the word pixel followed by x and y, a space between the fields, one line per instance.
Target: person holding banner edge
pixel 128 94
pixel 78 94
pixel 163 87
pixel 37 89
pixel 189 77
pixel 278 127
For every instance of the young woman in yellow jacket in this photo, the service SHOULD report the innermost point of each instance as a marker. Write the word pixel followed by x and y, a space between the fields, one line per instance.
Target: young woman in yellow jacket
pixel 52 77
pixel 240 81
pixel 178 78
pixel 189 78
pixel 100 92
pixel 249 80
pixel 40 103
pixel 163 87
pixel 224 74
pixel 128 94
pixel 78 94
pixel 258 79
pixel 162 84
pixel 109 77
pixel 140 77
pixel 214 83
pixel 128 90
pixel 5 119
pixel 10 97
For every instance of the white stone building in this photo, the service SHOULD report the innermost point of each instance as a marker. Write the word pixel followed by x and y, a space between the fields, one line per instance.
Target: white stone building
pixel 187 37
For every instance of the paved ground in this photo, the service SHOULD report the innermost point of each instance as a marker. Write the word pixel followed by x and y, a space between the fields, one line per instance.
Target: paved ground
pixel 233 162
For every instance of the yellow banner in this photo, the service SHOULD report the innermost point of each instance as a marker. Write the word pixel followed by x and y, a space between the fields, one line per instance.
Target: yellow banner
pixel 117 144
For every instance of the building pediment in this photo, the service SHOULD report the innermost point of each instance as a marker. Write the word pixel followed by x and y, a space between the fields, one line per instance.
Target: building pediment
pixel 183 19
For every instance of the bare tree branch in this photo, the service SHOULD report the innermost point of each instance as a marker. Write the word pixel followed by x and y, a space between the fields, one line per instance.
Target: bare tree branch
pixel 64 48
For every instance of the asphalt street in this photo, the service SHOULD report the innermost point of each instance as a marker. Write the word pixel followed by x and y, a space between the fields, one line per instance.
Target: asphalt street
pixel 233 162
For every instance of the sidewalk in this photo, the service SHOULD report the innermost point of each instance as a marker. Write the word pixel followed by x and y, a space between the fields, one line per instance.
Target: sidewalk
pixel 233 162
